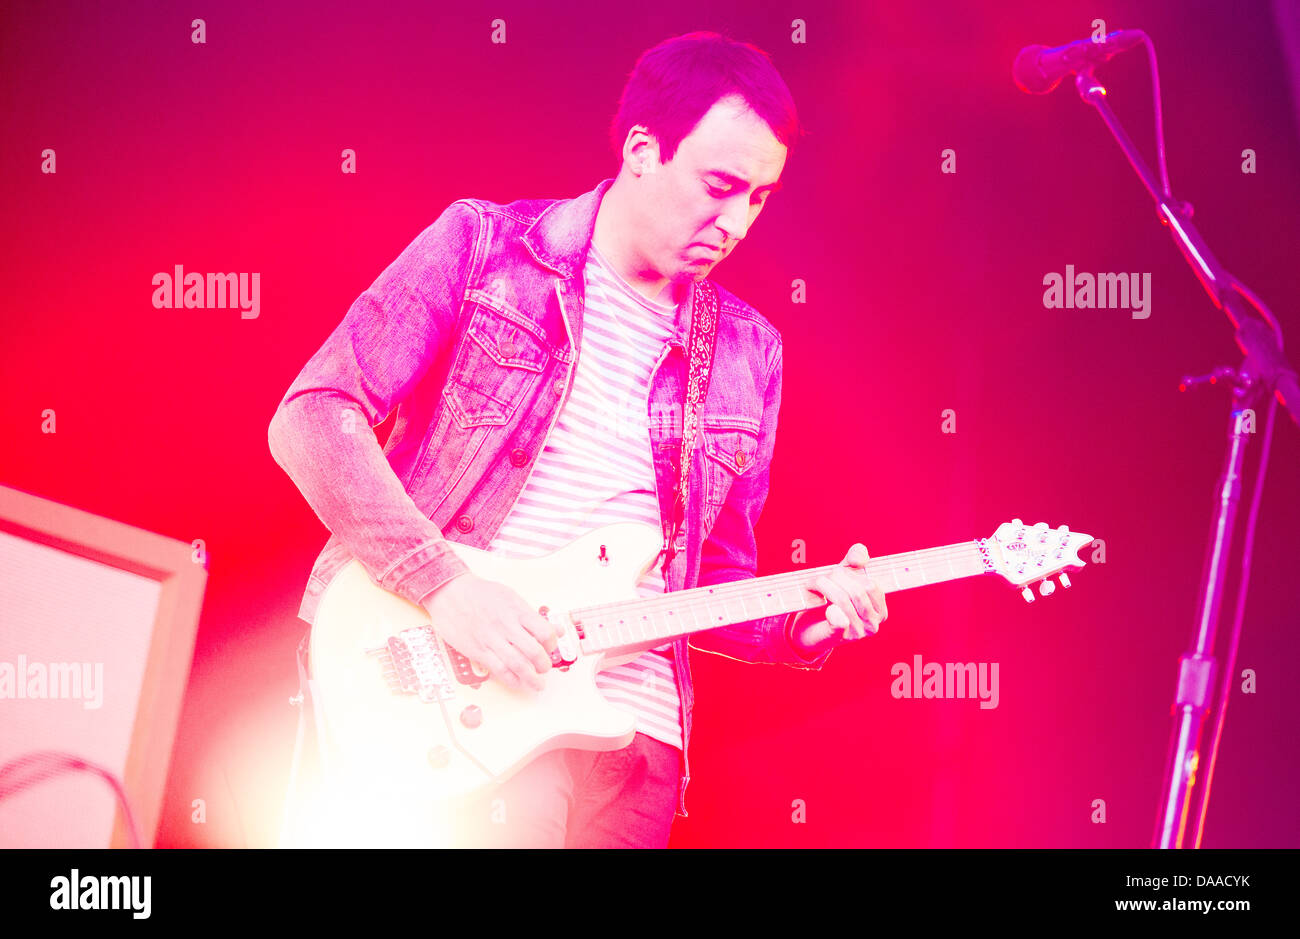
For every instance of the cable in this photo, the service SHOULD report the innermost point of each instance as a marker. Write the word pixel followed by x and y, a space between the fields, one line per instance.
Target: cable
pixel 1160 120
pixel 44 765
pixel 1168 190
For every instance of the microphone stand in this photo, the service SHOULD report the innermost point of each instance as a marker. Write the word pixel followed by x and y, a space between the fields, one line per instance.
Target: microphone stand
pixel 1264 368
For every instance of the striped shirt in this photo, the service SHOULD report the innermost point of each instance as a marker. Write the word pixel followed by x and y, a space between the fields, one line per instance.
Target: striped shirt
pixel 596 470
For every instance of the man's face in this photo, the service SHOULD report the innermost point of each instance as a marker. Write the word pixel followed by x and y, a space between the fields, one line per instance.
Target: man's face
pixel 696 208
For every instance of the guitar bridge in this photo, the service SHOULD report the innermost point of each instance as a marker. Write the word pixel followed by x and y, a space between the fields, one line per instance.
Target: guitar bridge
pixel 414 665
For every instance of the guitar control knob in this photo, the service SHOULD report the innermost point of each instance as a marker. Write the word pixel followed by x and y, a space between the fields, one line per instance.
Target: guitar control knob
pixel 1028 594
pixel 1065 579
pixel 439 757
pixel 1046 588
pixel 472 716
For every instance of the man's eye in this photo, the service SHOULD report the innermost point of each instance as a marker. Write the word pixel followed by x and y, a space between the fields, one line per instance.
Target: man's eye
pixel 718 193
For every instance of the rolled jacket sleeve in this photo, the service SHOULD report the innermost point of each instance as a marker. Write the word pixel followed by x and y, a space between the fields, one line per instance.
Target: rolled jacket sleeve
pixel 322 432
pixel 730 552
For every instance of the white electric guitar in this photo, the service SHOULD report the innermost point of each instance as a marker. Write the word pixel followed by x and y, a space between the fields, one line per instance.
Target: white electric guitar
pixel 409 714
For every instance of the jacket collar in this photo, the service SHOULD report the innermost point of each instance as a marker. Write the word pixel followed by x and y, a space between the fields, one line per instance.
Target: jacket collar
pixel 558 238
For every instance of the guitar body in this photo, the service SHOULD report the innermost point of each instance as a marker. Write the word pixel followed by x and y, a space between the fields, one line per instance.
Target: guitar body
pixel 408 718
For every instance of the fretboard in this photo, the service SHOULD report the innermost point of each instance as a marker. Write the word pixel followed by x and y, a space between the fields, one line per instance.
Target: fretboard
pixel 630 624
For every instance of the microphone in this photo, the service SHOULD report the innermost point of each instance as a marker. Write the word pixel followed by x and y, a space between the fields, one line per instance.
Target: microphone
pixel 1038 69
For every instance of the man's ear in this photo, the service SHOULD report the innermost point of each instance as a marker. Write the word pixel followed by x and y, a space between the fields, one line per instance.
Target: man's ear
pixel 641 149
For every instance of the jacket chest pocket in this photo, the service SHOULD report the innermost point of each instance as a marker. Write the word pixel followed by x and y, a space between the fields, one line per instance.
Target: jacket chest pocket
pixel 496 368
pixel 730 449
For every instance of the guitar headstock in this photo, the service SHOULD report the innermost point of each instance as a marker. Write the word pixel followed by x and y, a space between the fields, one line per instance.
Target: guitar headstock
pixel 1027 554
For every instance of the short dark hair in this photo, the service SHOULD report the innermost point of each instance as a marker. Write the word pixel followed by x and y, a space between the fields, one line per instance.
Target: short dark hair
pixel 674 84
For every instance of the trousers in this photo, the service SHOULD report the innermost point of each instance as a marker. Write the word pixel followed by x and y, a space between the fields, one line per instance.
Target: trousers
pixel 580 799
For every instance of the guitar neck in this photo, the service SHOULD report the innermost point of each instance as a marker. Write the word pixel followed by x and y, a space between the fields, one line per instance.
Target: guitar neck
pixel 628 625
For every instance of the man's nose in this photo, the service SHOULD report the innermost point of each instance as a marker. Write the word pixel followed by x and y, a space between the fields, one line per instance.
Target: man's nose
pixel 734 222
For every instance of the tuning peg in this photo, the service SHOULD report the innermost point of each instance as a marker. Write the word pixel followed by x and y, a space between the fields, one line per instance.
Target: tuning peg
pixel 1028 594
pixel 1065 579
pixel 1046 588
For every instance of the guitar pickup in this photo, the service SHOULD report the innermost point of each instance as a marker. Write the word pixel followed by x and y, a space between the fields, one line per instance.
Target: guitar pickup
pixel 566 650
pixel 463 669
pixel 559 660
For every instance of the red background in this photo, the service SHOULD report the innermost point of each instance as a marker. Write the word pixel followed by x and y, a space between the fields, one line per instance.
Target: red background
pixel 924 293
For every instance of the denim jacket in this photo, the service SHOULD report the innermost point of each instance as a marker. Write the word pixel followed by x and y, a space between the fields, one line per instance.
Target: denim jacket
pixel 472 334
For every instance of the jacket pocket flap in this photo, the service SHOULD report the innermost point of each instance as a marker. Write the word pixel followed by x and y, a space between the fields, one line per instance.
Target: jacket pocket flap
pixel 506 342
pixel 732 442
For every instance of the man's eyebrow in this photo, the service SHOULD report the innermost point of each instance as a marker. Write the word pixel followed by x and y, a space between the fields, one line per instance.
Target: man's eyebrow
pixel 734 179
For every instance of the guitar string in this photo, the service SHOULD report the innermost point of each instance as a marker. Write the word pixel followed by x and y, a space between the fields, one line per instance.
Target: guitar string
pixel 726 592
pixel 876 565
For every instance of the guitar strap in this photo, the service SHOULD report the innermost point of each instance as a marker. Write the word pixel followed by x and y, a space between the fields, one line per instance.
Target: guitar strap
pixel 701 344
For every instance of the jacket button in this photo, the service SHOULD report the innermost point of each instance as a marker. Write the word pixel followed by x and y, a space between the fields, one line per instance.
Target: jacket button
pixel 518 457
pixel 507 348
pixel 558 387
pixel 464 523
pixel 741 459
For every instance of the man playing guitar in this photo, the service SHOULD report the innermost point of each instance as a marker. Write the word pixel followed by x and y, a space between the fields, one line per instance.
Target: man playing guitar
pixel 552 364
